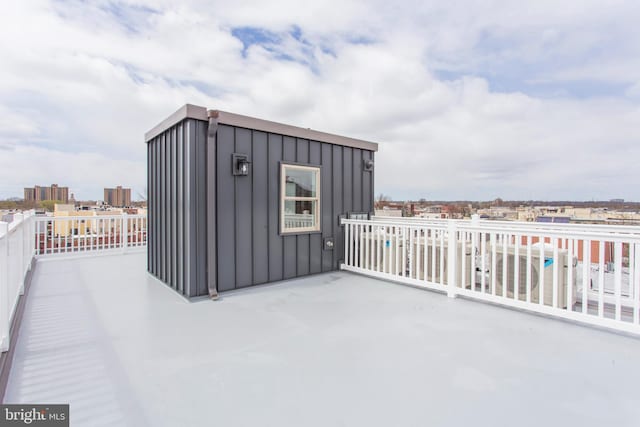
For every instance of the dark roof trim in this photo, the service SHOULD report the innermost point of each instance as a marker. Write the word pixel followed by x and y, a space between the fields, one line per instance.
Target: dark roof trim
pixel 187 111
pixel 231 119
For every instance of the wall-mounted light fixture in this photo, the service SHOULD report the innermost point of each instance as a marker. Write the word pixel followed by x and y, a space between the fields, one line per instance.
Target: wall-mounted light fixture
pixel 240 164
pixel 367 165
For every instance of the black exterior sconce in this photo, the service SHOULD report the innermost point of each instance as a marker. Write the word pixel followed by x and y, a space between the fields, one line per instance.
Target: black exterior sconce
pixel 240 164
pixel 367 165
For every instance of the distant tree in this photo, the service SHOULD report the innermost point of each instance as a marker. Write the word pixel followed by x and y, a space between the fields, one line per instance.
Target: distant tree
pixel 8 204
pixel 48 205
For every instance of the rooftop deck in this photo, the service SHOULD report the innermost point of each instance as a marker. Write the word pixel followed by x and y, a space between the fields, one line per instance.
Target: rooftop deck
pixel 327 350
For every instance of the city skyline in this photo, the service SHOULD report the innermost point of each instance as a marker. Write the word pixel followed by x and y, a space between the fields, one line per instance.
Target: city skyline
pixel 534 101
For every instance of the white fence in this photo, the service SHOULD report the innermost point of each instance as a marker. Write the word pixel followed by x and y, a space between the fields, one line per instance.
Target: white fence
pixel 78 234
pixel 28 236
pixel 299 220
pixel 16 254
pixel 584 273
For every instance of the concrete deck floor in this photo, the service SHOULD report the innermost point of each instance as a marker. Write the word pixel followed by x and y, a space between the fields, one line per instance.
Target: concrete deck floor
pixel 329 350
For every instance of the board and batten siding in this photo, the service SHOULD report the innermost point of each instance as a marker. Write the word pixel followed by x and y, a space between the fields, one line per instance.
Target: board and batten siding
pixel 250 248
pixel 243 212
pixel 176 198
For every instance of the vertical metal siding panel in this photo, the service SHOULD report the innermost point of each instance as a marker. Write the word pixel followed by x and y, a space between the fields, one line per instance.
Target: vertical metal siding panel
pixel 189 183
pixel 167 207
pixel 347 180
pixel 149 211
pixel 244 199
pixel 172 205
pixel 290 249
pixel 167 181
pixel 367 187
pixel 275 240
pixel 315 240
pixel 225 207
pixel 154 202
pixel 302 151
pixel 302 240
pixel 327 203
pixel 372 176
pixel 356 197
pixel 302 255
pixel 337 203
pixel 150 208
pixel 201 208
pixel 193 211
pixel 180 209
pixel 158 214
pixel 163 205
pixel 260 210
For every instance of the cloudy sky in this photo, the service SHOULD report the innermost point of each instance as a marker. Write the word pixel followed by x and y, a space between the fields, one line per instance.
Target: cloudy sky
pixel 468 99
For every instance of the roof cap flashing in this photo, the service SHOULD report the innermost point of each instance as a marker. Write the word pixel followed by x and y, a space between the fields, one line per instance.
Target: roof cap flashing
pixel 189 111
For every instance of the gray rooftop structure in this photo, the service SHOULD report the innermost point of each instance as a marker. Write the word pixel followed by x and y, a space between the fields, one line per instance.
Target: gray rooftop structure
pixel 236 201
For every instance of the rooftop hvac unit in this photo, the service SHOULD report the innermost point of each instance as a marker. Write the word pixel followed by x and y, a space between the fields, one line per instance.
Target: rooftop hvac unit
pixel 536 275
pixel 380 252
pixel 441 253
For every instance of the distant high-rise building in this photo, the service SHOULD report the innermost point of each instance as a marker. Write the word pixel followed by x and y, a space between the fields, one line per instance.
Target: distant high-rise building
pixel 117 197
pixel 38 193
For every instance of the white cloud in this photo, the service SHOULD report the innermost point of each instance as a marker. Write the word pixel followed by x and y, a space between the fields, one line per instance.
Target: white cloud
pixel 81 83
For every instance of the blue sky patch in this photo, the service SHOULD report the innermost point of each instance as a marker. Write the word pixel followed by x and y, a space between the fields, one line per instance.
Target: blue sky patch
pixel 250 36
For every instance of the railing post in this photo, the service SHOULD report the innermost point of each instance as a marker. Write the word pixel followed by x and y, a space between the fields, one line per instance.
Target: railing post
pixel 124 232
pixel 20 222
pixel 4 286
pixel 451 257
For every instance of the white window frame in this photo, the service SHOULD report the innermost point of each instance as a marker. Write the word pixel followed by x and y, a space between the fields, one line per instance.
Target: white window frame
pixel 284 197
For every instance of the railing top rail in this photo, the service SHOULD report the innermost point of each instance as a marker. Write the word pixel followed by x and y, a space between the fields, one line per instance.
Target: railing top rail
pixel 441 224
pixel 559 233
pixel 584 233
pixel 90 217
pixel 609 228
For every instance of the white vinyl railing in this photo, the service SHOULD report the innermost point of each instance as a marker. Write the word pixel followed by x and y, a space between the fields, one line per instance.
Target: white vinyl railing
pixel 578 272
pixel 299 220
pixel 16 255
pixel 29 236
pixel 76 234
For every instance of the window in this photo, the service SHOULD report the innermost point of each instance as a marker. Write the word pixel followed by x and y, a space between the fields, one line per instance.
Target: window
pixel 299 199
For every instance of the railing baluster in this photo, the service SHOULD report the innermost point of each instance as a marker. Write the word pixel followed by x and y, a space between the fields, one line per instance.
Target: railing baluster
pixel 347 243
pixel 529 267
pixel 635 259
pixel 403 265
pixel 516 268
pixel 570 277
pixel 601 258
pixel 483 254
pixel 505 265
pixel 361 244
pixel 555 271
pixel 385 250
pixel 586 274
pixel 425 255
pixel 617 277
pixel 541 264
pixel 411 252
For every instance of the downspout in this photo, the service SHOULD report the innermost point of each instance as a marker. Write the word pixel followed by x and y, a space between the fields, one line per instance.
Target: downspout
pixel 212 250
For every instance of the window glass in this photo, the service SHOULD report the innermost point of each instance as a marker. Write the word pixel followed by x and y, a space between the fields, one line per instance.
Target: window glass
pixel 300 183
pixel 300 201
